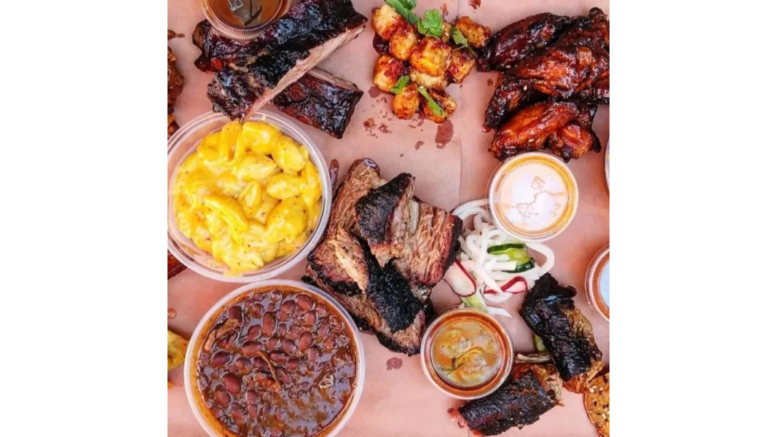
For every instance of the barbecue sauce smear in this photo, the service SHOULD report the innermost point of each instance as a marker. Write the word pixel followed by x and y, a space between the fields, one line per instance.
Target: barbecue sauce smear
pixel 277 363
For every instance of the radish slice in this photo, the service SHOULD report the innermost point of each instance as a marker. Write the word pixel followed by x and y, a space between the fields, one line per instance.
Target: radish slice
pixel 460 280
pixel 514 286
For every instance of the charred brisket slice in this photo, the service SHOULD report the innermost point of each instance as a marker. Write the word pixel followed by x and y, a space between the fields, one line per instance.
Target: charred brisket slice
pixel 321 100
pixel 518 40
pixel 279 56
pixel 174 266
pixel 550 312
pixel 531 391
pixel 383 217
pixel 386 291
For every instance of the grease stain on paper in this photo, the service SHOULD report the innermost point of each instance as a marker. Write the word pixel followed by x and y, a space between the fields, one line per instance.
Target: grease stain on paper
pixel 394 363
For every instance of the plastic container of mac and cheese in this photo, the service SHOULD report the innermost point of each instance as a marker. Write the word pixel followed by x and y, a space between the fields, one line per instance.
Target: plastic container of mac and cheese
pixel 184 142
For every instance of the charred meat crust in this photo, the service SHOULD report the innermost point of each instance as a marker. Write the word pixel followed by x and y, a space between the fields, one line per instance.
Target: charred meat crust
pixel 520 39
pixel 382 214
pixel 280 55
pixel 390 294
pixel 518 402
pixel 320 100
pixel 550 312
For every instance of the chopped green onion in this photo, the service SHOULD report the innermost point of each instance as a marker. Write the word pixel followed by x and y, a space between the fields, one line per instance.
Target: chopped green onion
pixel 432 104
pixel 400 84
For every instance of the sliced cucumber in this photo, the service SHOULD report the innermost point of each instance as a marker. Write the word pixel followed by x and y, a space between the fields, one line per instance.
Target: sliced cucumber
pixel 515 251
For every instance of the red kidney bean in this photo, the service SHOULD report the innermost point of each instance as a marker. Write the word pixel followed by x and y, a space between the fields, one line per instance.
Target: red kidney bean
pixel 261 364
pixel 329 343
pixel 283 317
pixel 294 332
pixel 274 343
pixel 321 310
pixel 288 307
pixel 237 413
pixel 309 318
pixel 293 364
pixel 243 365
pixel 284 377
pixel 228 340
pixel 221 397
pixel 252 411
pixel 253 332
pixel 323 331
pixel 251 397
pixel 278 357
pixel 236 313
pixel 257 310
pixel 304 302
pixel 313 354
pixel 289 347
pixel 220 358
pixel 232 383
pixel 268 324
pixel 275 295
pixel 305 340
pixel 282 329
pixel 250 348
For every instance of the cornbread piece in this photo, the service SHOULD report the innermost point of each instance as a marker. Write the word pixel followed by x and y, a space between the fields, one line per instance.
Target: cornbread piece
pixel 597 404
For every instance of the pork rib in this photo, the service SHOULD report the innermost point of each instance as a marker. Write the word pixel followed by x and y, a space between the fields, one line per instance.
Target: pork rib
pixel 252 73
pixel 321 100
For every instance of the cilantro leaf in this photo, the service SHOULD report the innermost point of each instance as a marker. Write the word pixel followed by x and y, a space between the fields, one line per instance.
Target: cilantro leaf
pixel 432 104
pixel 400 84
pixel 404 8
pixel 459 38
pixel 431 25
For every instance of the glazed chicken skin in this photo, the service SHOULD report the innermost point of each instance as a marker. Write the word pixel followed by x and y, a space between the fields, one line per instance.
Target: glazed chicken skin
pixel 573 64
pixel 562 127
pixel 520 39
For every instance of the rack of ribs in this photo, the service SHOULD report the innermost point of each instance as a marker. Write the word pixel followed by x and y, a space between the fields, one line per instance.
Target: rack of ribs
pixel 251 73
pixel 568 336
pixel 531 390
pixel 383 252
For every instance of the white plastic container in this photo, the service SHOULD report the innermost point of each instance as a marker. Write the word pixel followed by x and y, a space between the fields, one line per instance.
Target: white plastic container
pixel 533 197
pixel 190 362
pixel 183 143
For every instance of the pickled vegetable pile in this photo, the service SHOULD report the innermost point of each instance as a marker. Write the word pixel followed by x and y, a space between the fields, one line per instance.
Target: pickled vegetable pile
pixel 249 195
pixel 276 362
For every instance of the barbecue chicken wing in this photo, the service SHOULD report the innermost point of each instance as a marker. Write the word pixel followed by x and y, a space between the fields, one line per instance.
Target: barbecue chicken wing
pixel 562 127
pixel 520 39
pixel 174 86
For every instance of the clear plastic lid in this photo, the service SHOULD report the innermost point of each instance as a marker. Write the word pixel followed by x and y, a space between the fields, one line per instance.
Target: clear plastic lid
pixel 243 19
pixel 533 197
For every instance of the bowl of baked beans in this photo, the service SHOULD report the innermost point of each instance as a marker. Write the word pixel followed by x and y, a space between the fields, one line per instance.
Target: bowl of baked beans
pixel 274 358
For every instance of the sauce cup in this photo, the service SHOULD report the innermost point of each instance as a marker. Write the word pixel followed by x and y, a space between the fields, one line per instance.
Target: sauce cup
pixel 454 319
pixel 597 283
pixel 183 143
pixel 533 197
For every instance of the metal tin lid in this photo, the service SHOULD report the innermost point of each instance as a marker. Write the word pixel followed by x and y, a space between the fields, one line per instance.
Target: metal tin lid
pixel 243 19
pixel 533 197
pixel 597 283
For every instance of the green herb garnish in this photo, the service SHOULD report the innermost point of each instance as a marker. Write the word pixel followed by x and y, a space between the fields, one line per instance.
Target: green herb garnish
pixel 404 8
pixel 459 38
pixel 432 104
pixel 400 84
pixel 431 24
